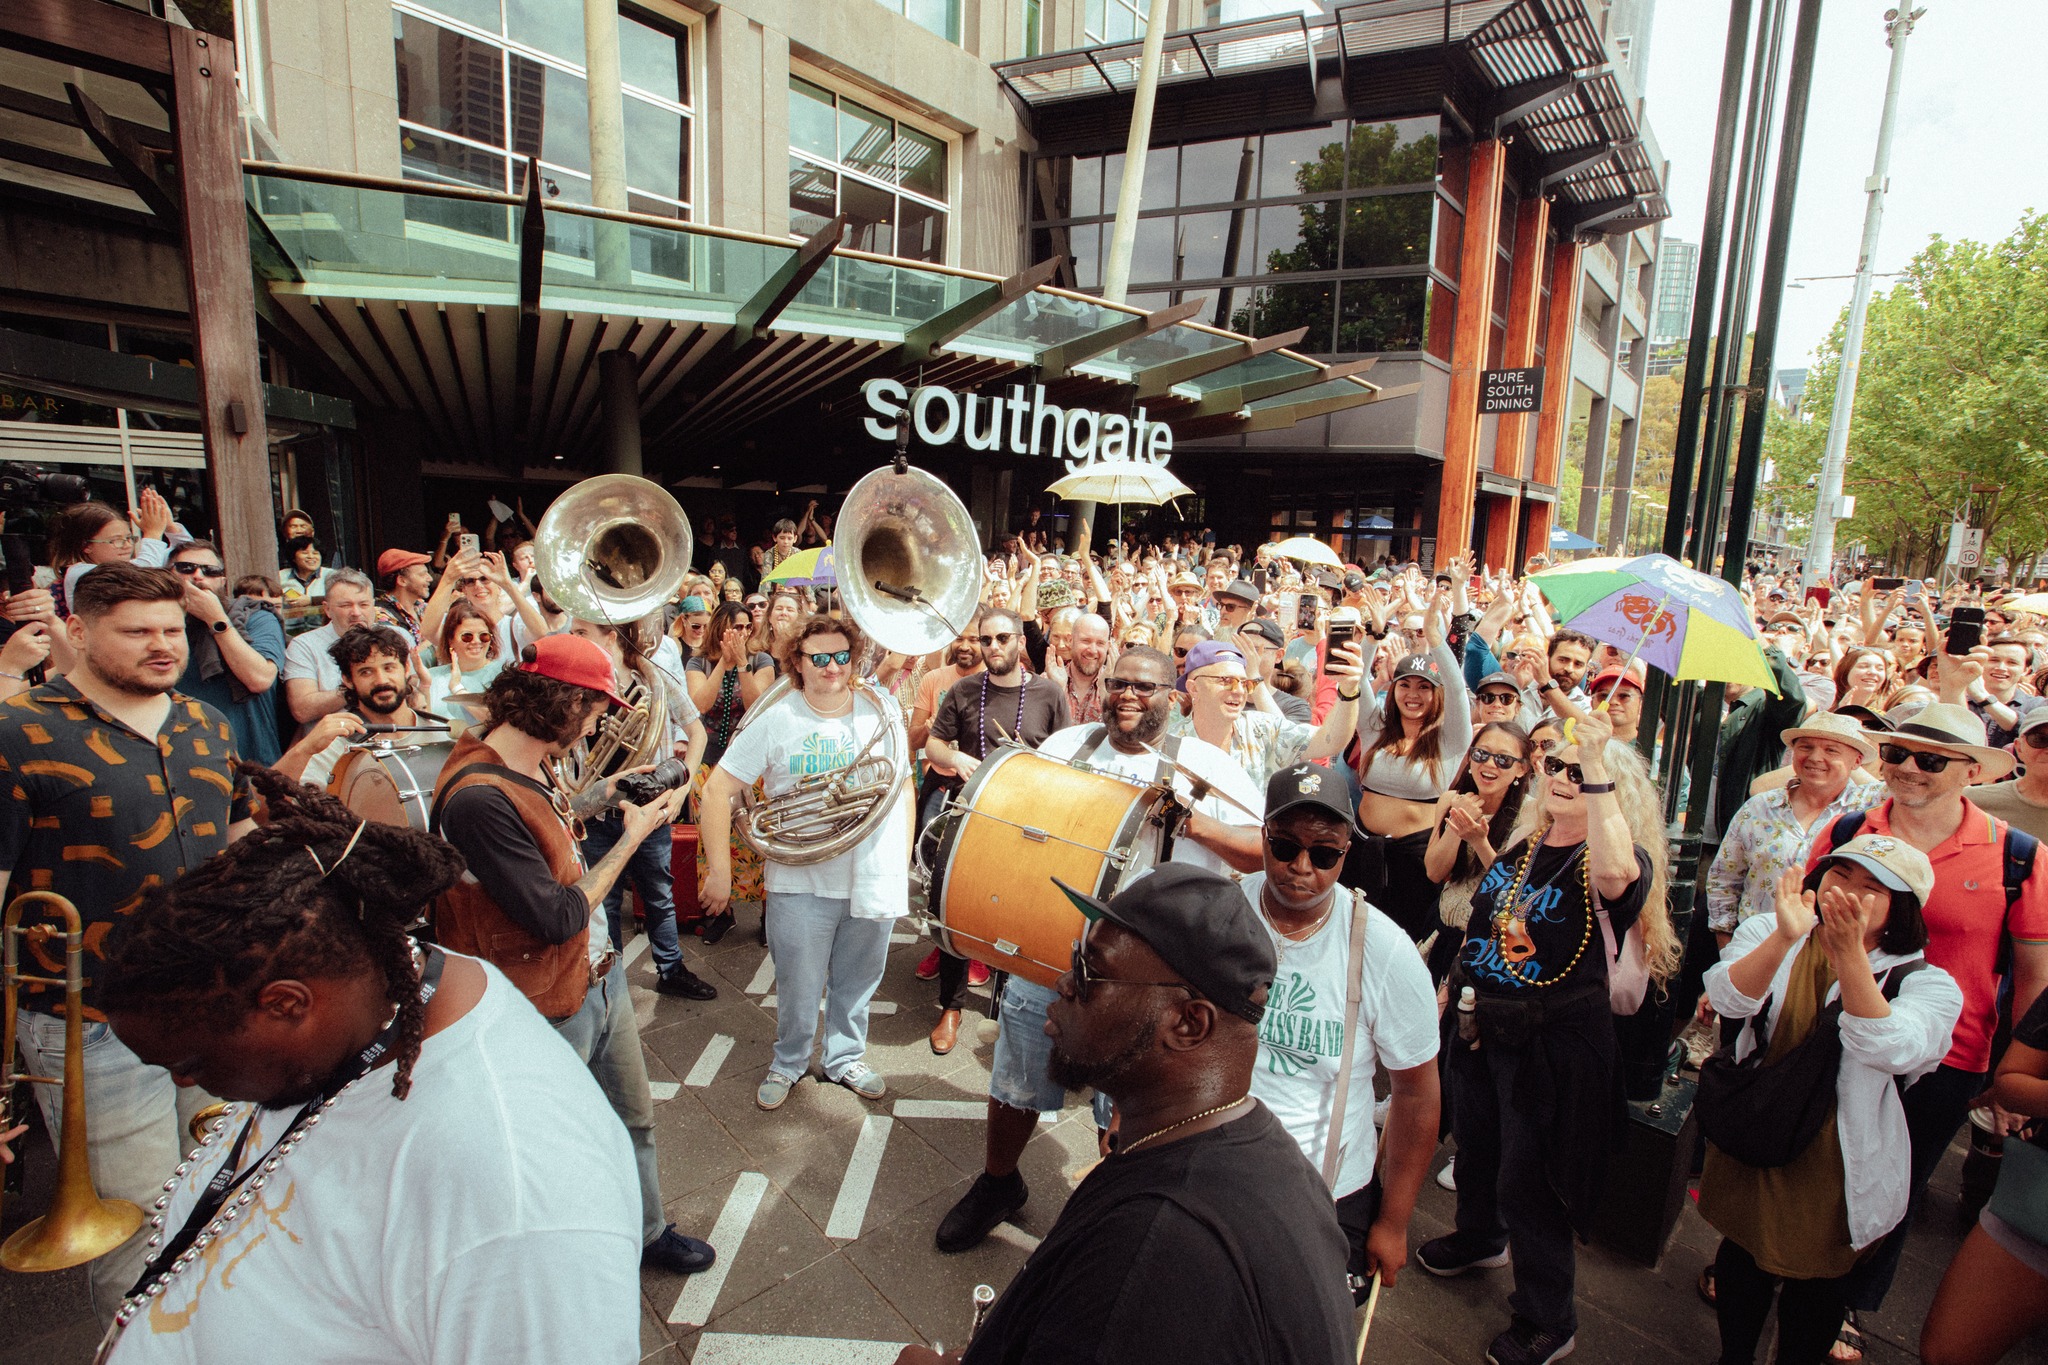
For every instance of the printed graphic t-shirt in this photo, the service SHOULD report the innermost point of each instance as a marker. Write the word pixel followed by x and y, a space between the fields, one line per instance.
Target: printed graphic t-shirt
pixel 1553 911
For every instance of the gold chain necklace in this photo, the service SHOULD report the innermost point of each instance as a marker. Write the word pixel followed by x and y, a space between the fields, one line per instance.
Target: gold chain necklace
pixel 1128 1148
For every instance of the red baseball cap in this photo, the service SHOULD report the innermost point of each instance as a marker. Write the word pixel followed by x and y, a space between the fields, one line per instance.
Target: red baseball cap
pixel 1615 675
pixel 573 659
pixel 393 561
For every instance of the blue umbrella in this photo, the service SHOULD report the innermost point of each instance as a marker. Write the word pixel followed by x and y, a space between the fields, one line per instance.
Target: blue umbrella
pixel 1376 523
pixel 1561 539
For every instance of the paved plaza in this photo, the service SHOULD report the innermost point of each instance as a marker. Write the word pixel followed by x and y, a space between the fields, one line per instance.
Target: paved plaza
pixel 823 1212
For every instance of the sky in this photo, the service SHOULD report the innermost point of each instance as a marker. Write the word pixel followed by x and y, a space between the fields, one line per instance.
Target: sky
pixel 1968 158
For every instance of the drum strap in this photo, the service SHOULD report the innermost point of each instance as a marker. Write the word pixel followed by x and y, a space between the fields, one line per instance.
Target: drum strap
pixel 1354 983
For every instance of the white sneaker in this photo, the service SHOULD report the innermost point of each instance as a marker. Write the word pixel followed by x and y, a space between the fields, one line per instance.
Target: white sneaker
pixel 1379 1111
pixel 1446 1179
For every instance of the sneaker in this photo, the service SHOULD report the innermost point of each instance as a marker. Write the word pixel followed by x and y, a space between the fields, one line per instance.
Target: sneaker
pixel 928 970
pixel 677 1254
pixel 1524 1344
pixel 680 980
pixel 774 1090
pixel 1446 1179
pixel 977 973
pixel 863 1081
pixel 1448 1256
pixel 988 1201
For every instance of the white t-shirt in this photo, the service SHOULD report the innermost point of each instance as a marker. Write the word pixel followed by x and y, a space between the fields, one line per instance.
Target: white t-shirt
pixel 1214 766
pixel 1303 1032
pixel 492 1216
pixel 307 656
pixel 790 741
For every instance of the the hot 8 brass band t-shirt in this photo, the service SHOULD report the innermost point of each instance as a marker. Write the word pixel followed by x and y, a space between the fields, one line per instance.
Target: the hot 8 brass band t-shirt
pixel 1551 937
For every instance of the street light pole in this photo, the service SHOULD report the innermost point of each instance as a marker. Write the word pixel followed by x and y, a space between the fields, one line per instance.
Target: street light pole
pixel 1820 547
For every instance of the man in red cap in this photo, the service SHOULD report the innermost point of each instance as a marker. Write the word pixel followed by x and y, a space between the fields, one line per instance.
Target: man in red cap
pixel 406 580
pixel 530 908
pixel 1622 692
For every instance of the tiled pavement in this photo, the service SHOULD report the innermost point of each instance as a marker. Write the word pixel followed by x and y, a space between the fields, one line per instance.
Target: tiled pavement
pixel 825 1211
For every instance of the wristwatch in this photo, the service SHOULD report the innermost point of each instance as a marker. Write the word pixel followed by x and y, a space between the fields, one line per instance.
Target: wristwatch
pixel 1342 695
pixel 1595 788
pixel 220 627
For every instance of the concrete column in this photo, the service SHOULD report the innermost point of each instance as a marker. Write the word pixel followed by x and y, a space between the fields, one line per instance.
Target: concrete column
pixel 607 138
pixel 1593 477
pixel 618 394
pixel 746 148
pixel 1624 480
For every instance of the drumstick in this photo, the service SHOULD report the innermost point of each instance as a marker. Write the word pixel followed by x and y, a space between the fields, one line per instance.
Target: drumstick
pixel 1372 1303
pixel 1203 786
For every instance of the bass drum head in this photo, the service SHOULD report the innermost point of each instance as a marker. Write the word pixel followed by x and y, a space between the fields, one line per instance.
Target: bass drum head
pixel 390 786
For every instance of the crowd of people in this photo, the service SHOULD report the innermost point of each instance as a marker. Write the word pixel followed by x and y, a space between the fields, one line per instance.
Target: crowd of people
pixel 1414 888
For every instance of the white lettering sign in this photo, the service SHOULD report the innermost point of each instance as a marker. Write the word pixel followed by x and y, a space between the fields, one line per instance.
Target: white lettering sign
pixel 1020 423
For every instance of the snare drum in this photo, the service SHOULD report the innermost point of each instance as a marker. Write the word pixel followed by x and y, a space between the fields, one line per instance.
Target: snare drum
pixel 392 784
pixel 1020 821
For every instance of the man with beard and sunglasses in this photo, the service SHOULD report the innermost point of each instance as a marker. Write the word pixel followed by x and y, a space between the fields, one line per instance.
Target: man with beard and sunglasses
pixel 1205 1235
pixel 1218 834
pixel 375 663
pixel 236 651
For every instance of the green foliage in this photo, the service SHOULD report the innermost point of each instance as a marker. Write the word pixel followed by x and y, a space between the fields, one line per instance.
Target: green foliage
pixel 1951 403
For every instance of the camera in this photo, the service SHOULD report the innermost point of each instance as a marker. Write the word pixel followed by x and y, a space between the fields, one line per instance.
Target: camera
pixel 641 788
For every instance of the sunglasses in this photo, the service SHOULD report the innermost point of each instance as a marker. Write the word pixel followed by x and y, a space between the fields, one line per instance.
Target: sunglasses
pixel 1227 684
pixel 989 641
pixel 1141 687
pixel 1571 771
pixel 1899 754
pixel 1498 699
pixel 199 570
pixel 1179 653
pixel 2036 738
pixel 1085 978
pixel 1322 857
pixel 822 660
pixel 471 637
pixel 1500 761
pixel 470 582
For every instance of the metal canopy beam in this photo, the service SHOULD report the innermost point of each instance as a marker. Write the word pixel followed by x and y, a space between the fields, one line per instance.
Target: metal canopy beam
pixel 1158 379
pixel 1560 165
pixel 926 338
pixel 1220 401
pixel 1585 217
pixel 1517 102
pixel 780 289
pixel 1056 362
pixel 1280 418
pixel 92 375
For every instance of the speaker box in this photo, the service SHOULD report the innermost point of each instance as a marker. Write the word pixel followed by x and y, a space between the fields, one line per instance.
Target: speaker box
pixel 1647 1175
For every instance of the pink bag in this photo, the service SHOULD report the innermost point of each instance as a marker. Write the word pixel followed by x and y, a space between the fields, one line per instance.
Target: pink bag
pixel 1628 967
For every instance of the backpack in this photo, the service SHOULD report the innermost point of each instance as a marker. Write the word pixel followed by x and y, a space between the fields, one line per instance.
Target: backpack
pixel 1765 1114
pixel 2018 864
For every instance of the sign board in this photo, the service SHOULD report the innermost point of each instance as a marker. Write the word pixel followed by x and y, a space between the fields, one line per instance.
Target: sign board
pixel 1511 390
pixel 1972 553
pixel 1019 422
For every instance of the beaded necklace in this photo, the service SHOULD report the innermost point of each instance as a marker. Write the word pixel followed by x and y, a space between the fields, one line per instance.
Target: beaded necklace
pixel 981 729
pixel 1506 915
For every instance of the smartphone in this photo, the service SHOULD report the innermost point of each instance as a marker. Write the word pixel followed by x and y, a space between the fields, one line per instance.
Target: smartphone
pixel 1913 589
pixel 1341 633
pixel 1887 584
pixel 468 543
pixel 1308 608
pixel 1965 631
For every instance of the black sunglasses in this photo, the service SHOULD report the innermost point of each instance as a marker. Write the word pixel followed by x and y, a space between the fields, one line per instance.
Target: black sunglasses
pixel 1084 977
pixel 1500 761
pixel 2036 738
pixel 1498 699
pixel 1321 857
pixel 1572 772
pixel 1920 758
pixel 1138 685
pixel 839 657
pixel 188 570
pixel 1002 639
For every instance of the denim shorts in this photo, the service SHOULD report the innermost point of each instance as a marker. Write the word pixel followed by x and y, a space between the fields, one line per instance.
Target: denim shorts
pixel 1017 1075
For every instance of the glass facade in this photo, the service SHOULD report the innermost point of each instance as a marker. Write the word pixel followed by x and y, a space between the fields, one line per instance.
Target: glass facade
pixel 1113 21
pixel 484 84
pixel 1340 229
pixel 847 158
pixel 941 17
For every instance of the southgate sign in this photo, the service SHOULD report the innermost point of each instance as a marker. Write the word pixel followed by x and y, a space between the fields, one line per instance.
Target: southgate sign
pixel 1018 423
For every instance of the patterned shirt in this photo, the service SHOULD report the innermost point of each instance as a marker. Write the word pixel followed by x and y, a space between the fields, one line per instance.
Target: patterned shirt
pixel 1765 839
pixel 100 813
pixel 1260 743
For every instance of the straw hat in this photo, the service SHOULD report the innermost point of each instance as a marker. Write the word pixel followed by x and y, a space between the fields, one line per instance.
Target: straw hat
pixel 1945 727
pixel 1841 729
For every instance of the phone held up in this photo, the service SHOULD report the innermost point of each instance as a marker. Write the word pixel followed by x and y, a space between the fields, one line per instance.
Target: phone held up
pixel 1341 633
pixel 468 543
pixel 1310 606
pixel 1965 631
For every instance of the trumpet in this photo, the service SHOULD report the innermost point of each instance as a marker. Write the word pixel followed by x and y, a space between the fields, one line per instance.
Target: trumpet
pixel 80 1225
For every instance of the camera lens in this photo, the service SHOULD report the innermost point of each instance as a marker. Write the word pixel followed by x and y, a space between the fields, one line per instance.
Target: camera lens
pixel 641 788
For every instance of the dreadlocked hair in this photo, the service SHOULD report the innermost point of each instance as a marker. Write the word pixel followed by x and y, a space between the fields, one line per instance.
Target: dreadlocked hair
pixel 263 911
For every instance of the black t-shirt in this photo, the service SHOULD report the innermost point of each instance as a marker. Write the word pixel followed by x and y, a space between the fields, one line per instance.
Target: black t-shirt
pixel 485 828
pixel 2032 1031
pixel 976 726
pixel 722 717
pixel 1219 1249
pixel 1557 935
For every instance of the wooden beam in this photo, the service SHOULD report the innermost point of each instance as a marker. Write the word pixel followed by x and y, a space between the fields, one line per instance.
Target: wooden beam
pixel 112 39
pixel 1469 340
pixel 135 165
pixel 1511 435
pixel 1565 276
pixel 1157 379
pixel 964 316
pixel 221 284
pixel 1057 362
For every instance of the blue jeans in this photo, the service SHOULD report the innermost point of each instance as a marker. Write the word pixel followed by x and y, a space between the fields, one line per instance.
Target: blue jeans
pixel 136 1121
pixel 649 872
pixel 1018 1074
pixel 820 949
pixel 606 1037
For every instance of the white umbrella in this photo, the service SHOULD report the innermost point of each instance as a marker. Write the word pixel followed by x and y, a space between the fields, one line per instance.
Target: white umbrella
pixel 1119 482
pixel 1309 550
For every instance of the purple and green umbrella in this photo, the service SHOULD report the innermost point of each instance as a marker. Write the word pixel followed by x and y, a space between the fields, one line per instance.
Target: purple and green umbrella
pixel 1686 623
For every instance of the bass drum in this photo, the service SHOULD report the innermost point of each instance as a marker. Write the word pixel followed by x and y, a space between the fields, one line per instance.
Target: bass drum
pixel 1020 821
pixel 391 784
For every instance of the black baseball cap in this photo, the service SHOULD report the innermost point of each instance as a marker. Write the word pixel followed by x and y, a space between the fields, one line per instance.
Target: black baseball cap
pixel 1307 784
pixel 1269 631
pixel 1354 581
pixel 1202 926
pixel 1241 590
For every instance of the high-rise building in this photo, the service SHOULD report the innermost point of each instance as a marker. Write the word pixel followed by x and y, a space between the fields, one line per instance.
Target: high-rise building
pixel 1677 267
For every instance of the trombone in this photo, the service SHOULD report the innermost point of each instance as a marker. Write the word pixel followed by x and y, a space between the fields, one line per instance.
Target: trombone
pixel 80 1225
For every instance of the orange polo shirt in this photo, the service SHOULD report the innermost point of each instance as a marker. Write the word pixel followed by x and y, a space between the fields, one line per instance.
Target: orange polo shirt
pixel 1966 917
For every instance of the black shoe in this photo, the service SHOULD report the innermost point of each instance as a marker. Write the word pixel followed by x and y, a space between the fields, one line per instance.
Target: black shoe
pixel 677 1254
pixel 987 1202
pixel 713 929
pixel 1449 1256
pixel 1526 1344
pixel 680 980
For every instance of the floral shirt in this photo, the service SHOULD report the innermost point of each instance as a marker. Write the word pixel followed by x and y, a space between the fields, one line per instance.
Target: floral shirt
pixel 1764 839
pixel 1260 743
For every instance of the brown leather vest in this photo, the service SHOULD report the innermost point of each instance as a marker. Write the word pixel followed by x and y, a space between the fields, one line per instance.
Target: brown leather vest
pixel 555 976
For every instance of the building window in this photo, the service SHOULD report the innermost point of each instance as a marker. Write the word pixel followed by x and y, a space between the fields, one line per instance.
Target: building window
pixel 888 177
pixel 484 84
pixel 1114 21
pixel 941 17
pixel 1034 28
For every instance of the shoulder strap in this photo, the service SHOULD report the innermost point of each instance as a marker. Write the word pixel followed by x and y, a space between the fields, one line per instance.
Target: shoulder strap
pixel 2020 848
pixel 1844 829
pixel 1094 741
pixel 460 780
pixel 1895 979
pixel 1354 986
